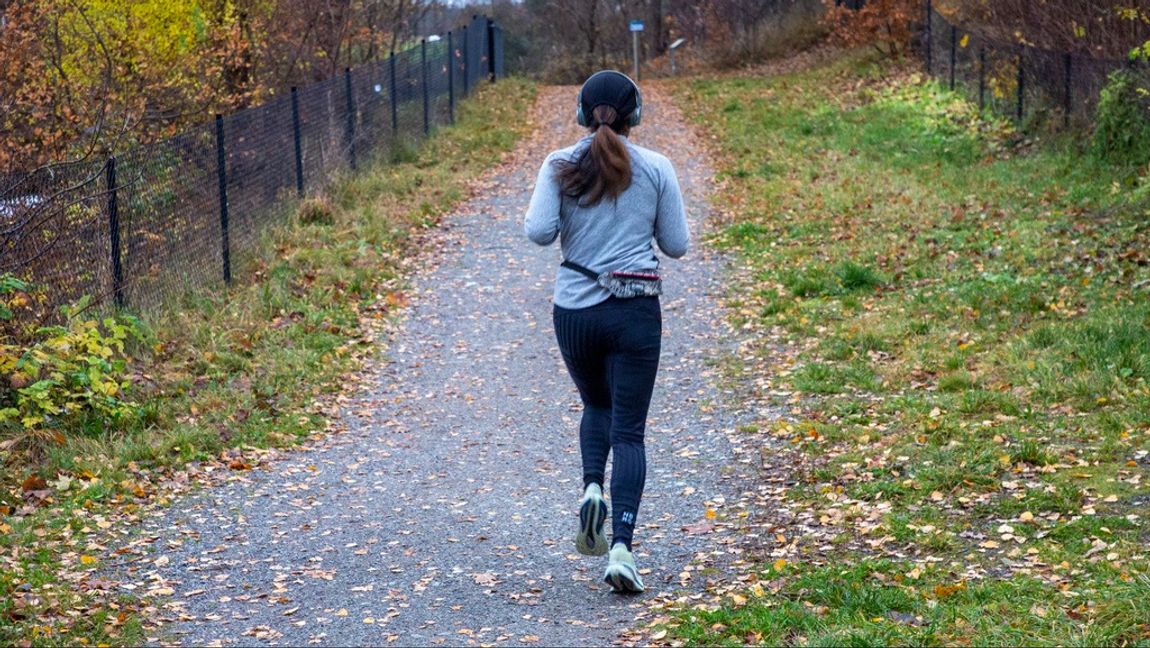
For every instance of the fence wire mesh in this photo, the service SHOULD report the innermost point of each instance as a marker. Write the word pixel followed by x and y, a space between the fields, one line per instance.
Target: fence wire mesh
pixel 146 226
pixel 1024 82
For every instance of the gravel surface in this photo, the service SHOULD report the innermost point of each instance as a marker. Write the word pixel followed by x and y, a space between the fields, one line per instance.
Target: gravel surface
pixel 445 513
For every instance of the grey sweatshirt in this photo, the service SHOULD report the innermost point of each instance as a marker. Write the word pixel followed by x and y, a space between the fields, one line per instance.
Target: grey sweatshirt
pixel 613 234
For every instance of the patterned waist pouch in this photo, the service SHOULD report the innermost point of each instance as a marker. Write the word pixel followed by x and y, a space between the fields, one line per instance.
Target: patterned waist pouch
pixel 621 283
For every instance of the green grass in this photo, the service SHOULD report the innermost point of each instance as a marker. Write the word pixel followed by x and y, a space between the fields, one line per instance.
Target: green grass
pixel 236 369
pixel 970 341
pixel 877 603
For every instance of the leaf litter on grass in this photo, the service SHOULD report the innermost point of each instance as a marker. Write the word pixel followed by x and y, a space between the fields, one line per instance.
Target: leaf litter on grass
pixel 938 475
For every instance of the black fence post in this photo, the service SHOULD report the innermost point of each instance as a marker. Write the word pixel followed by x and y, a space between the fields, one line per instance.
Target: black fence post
pixel 450 79
pixel 423 83
pixel 953 53
pixel 298 142
pixel 114 234
pixel 1067 66
pixel 491 50
pixel 928 38
pixel 498 60
pixel 394 93
pixel 466 67
pixel 350 118
pixel 1021 82
pixel 221 172
pixel 981 78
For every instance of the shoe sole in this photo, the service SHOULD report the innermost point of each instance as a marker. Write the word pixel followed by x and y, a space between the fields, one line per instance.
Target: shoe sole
pixel 591 541
pixel 623 578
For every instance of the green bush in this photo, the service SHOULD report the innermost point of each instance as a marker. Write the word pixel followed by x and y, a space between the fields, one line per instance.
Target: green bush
pixel 70 378
pixel 1122 130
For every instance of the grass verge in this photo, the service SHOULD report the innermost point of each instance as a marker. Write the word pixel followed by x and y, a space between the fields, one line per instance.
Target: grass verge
pixel 966 322
pixel 225 375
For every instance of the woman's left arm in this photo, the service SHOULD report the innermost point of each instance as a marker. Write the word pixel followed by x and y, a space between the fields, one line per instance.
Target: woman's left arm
pixel 541 224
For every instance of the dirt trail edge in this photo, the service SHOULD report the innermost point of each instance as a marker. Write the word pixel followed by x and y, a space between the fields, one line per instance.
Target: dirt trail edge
pixel 445 513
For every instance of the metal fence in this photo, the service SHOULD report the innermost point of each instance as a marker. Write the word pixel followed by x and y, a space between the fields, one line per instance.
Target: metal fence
pixel 151 223
pixel 1021 81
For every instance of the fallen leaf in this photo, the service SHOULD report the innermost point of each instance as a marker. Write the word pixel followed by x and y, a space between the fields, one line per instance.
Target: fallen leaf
pixel 34 482
pixel 486 579
pixel 699 528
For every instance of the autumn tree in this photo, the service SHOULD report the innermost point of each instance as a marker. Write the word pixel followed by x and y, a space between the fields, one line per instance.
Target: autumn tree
pixel 1098 28
pixel 887 25
pixel 82 75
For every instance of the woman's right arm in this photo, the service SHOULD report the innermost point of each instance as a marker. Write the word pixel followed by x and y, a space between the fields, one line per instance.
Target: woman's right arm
pixel 671 231
pixel 541 224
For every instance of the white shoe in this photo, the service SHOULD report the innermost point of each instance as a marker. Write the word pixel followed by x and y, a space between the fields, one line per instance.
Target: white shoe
pixel 590 540
pixel 622 573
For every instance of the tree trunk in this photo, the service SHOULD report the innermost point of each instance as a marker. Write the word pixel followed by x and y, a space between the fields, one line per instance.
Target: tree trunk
pixel 657 39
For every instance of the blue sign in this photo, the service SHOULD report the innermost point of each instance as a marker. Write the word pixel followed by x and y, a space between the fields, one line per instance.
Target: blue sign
pixel 636 25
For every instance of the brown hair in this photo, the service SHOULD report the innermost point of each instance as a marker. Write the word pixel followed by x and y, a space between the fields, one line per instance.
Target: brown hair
pixel 604 167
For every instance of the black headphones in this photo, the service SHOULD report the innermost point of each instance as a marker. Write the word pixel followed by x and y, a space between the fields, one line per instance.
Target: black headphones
pixel 632 119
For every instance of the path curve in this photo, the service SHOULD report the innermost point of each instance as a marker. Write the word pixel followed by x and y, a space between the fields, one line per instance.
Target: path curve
pixel 445 513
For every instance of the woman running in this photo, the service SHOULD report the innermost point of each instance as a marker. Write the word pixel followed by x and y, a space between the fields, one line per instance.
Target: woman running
pixel 606 200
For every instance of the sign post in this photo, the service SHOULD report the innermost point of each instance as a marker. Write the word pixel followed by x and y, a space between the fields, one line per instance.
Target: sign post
pixel 636 27
pixel 675 46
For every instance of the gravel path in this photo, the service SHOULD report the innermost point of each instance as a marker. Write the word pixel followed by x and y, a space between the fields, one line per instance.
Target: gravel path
pixel 445 513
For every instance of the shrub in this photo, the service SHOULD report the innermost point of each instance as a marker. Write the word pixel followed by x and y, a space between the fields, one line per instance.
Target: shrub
pixel 316 210
pixel 762 31
pixel 888 25
pixel 1122 126
pixel 13 296
pixel 70 378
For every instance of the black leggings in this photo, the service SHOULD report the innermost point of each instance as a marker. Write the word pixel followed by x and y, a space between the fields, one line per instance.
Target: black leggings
pixel 612 353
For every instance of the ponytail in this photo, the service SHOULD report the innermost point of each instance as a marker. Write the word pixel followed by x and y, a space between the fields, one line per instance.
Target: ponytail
pixel 604 167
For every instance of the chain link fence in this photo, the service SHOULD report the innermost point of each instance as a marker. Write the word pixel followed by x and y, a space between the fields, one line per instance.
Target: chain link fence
pixel 1025 82
pixel 147 225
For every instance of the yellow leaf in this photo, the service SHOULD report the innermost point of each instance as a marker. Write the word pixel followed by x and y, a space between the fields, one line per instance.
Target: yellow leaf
pixel 88 560
pixel 779 564
pixel 965 41
pixel 710 514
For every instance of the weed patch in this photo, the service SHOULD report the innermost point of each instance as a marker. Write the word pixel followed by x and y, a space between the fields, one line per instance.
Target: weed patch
pixel 968 376
pixel 225 375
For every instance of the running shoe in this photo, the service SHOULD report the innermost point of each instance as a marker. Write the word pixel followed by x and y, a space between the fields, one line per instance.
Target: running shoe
pixel 591 541
pixel 622 574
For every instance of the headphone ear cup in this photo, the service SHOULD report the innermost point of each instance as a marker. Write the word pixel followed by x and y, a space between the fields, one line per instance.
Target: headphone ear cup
pixel 580 118
pixel 637 114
